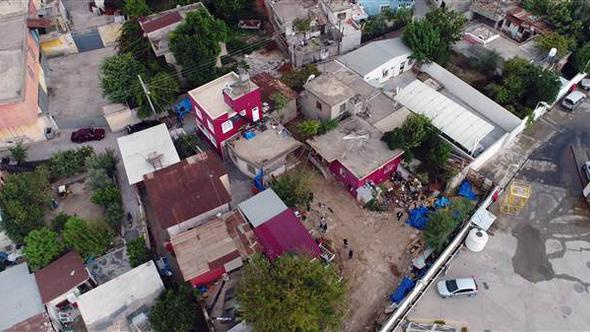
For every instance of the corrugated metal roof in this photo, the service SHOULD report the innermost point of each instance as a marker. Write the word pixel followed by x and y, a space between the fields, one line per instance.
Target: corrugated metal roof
pixel 160 22
pixel 458 123
pixel 262 207
pixel 61 276
pixel 286 234
pixel 365 59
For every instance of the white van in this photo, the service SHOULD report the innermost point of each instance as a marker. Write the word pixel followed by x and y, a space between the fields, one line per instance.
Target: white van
pixel 572 100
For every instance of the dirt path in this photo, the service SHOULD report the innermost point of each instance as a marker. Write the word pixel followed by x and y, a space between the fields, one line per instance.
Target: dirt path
pixel 378 242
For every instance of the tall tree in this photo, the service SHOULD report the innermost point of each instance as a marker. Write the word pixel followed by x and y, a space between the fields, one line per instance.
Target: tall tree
pixel 449 24
pixel 195 45
pixel 175 311
pixel 131 40
pixel 581 59
pixel 118 77
pixel 87 238
pixel 293 189
pixel 164 90
pixel 18 152
pixel 42 246
pixel 563 44
pixel 424 40
pixel 136 8
pixel 291 294
pixel 24 199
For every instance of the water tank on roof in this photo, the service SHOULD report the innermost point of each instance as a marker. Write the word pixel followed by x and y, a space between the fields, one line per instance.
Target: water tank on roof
pixel 476 240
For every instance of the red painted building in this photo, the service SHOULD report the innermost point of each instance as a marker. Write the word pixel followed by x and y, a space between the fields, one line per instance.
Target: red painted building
pixel 355 155
pixel 224 106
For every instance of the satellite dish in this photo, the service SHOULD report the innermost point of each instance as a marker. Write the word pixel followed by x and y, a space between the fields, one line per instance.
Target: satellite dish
pixel 552 52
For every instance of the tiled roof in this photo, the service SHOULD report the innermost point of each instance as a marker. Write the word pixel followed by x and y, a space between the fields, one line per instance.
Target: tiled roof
pixel 160 22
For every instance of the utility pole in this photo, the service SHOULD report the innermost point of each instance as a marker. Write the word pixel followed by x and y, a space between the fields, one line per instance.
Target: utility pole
pixel 147 94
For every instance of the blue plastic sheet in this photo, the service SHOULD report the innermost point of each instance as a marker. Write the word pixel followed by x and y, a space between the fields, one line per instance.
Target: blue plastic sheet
pixel 418 218
pixel 258 180
pixel 183 107
pixel 466 191
pixel 441 202
pixel 405 286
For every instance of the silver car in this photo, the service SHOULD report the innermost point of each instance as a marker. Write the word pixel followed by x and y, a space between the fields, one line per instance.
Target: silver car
pixel 457 287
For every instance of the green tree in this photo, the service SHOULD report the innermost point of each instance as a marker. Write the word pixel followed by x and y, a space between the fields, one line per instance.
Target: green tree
pixel 424 40
pixel 195 45
pixel 436 152
pixel 187 145
pixel 550 40
pixel 164 90
pixel 118 77
pixel 449 24
pixel 309 128
pixel 233 10
pixel 538 7
pixel 136 8
pixel 326 126
pixel 581 59
pixel 296 78
pixel 42 246
pixel 87 238
pixel 293 189
pixel 131 40
pixel 58 223
pixel 137 251
pixel 175 311
pixel 488 63
pixel 292 293
pixel 106 195
pixel 18 152
pixel 302 25
pixel 280 102
pixel 24 199
pixel 440 226
pixel 106 160
pixel 410 135
pixel 69 162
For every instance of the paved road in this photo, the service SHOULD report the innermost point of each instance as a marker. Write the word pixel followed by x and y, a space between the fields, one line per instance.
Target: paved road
pixel 534 274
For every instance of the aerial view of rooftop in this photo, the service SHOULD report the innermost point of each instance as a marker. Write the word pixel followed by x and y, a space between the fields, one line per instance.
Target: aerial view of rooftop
pixel 294 165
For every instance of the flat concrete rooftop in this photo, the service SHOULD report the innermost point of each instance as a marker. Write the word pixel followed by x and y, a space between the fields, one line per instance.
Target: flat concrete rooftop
pixel 355 144
pixel 266 146
pixel 13 29
pixel 290 10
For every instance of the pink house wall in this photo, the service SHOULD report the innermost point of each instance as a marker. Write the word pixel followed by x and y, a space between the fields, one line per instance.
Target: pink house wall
pixel 246 102
pixel 352 183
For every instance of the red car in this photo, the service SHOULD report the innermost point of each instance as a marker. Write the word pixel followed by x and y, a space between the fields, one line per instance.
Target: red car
pixel 87 134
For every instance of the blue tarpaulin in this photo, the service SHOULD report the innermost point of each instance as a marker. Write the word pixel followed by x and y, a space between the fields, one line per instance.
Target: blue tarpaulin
pixel 405 286
pixel 418 218
pixel 183 107
pixel 441 202
pixel 466 191
pixel 258 180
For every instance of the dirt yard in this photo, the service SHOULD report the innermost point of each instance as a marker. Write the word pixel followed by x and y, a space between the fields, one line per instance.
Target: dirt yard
pixel 76 203
pixel 378 242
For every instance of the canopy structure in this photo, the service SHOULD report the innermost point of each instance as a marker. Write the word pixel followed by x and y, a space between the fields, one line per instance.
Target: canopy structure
pixel 452 119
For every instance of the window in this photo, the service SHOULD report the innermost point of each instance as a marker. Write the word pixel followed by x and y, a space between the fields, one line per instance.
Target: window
pixel 342 108
pixel 318 105
pixel 199 115
pixel 383 8
pixel 210 125
pixel 385 72
pixel 342 16
pixel 227 126
pixel 520 29
pixel 243 112
pixel 255 114
pixel 508 23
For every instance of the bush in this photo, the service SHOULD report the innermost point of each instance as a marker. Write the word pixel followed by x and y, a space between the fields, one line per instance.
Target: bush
pixel 42 246
pixel 137 251
pixel 58 223
pixel 296 78
pixel 443 222
pixel 67 163
pixel 375 205
pixel 293 189
pixel 386 22
pixel 109 198
pixel 18 153
pixel 175 310
pixel 326 126
pixel 87 238
pixel 107 161
pixel 309 128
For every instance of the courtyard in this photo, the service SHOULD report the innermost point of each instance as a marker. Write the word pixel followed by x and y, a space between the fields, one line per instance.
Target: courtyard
pixel 379 244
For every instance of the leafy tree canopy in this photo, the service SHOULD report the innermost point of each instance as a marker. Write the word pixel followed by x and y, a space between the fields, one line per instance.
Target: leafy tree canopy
pixel 131 40
pixel 581 58
pixel 296 78
pixel 293 189
pixel 118 77
pixel 24 199
pixel 195 45
pixel 164 89
pixel 42 246
pixel 87 238
pixel 424 40
pixel 69 162
pixel 443 222
pixel 550 40
pixel 137 251
pixel 136 8
pixel 291 294
pixel 309 128
pixel 175 311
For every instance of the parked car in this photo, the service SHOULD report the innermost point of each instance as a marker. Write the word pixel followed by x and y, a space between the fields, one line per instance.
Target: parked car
pixel 457 287
pixel 87 135
pixel 585 83
pixel 586 169
pixel 141 126
pixel 573 100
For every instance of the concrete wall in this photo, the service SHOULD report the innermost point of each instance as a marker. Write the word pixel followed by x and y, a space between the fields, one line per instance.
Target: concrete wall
pixel 373 7
pixel 308 102
pixel 376 78
pixel 350 41
pixel 477 100
pixel 120 119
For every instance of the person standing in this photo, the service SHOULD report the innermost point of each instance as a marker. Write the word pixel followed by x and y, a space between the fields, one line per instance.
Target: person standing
pixel 350 253
pixel 399 215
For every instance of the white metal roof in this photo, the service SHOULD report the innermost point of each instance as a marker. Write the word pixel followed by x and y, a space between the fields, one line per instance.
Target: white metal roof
pixel 113 301
pixel 20 296
pixel 454 120
pixel 146 151
pixel 262 207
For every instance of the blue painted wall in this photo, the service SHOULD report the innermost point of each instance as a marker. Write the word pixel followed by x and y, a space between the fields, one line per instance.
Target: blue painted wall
pixel 372 7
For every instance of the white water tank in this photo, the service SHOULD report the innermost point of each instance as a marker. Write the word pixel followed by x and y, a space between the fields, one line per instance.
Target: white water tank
pixel 476 240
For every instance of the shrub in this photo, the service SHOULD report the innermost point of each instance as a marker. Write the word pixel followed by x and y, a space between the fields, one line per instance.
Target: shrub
pixel 137 251
pixel 296 78
pixel 293 189
pixel 58 223
pixel 67 163
pixel 309 128
pixel 42 246
pixel 87 238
